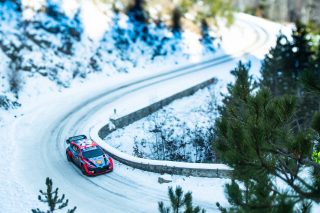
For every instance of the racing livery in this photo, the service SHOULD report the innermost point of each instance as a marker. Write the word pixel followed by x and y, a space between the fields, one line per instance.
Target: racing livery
pixel 88 156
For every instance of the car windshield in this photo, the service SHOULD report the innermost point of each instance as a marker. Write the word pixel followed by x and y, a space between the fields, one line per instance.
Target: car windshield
pixel 92 153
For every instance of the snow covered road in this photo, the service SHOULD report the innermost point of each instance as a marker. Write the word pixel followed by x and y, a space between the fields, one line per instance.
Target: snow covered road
pixel 38 148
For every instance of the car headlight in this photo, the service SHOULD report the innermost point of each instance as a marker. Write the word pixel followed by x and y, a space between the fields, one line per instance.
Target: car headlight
pixel 106 161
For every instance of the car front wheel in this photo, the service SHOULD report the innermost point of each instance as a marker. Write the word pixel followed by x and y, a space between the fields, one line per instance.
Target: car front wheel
pixel 83 170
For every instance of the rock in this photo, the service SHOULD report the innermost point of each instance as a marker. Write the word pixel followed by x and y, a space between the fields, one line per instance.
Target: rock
pixel 164 179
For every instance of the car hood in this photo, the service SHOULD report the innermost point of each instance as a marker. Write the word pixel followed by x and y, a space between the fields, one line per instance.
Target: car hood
pixel 99 161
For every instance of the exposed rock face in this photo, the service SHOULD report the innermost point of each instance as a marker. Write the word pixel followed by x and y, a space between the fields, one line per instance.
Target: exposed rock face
pixel 284 10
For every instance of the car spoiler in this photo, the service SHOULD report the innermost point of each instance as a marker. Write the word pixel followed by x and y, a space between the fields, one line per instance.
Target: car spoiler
pixel 76 138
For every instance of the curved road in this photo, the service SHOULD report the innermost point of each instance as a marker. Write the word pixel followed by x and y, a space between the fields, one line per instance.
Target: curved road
pixel 38 148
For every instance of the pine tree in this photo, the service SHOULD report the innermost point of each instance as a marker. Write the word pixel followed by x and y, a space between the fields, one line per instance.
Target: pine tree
pixel 254 136
pixel 311 78
pixel 241 88
pixel 302 58
pixel 178 200
pixel 176 21
pixel 206 38
pixel 286 62
pixel 301 49
pixel 283 68
pixel 277 68
pixel 137 13
pixel 53 200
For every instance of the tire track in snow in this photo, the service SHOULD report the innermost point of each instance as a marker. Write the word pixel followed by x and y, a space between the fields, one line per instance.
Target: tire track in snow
pixel 114 192
pixel 84 117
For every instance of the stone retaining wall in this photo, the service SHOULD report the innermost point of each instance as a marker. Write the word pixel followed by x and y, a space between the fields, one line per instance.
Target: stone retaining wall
pixel 100 131
pixel 148 110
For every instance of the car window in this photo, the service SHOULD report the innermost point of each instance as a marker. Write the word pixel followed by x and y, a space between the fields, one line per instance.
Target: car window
pixel 92 153
pixel 75 148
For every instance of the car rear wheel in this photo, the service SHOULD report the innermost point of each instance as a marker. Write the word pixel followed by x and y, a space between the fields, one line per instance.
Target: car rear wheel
pixel 68 157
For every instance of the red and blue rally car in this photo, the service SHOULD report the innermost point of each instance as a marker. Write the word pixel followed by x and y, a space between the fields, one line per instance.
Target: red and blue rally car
pixel 88 156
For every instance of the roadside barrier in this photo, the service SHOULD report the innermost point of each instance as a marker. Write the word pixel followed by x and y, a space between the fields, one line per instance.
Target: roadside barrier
pixel 101 130
pixel 148 110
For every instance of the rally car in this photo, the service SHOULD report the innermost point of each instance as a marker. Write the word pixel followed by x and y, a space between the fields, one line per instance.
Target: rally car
pixel 88 156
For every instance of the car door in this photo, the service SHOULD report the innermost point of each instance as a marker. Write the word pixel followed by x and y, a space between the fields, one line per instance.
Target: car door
pixel 75 154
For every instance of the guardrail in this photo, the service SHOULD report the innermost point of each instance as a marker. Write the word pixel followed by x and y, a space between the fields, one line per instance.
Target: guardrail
pixel 101 130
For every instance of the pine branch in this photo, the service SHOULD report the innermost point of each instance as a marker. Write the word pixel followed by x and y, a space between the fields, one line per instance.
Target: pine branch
pixel 162 208
pixel 297 189
pixel 37 211
pixel 74 209
pixel 65 204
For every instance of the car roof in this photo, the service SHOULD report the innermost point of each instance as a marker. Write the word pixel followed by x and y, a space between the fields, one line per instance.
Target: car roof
pixel 85 143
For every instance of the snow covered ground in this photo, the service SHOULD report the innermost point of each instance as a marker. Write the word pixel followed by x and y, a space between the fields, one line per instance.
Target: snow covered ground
pixel 34 133
pixel 184 122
